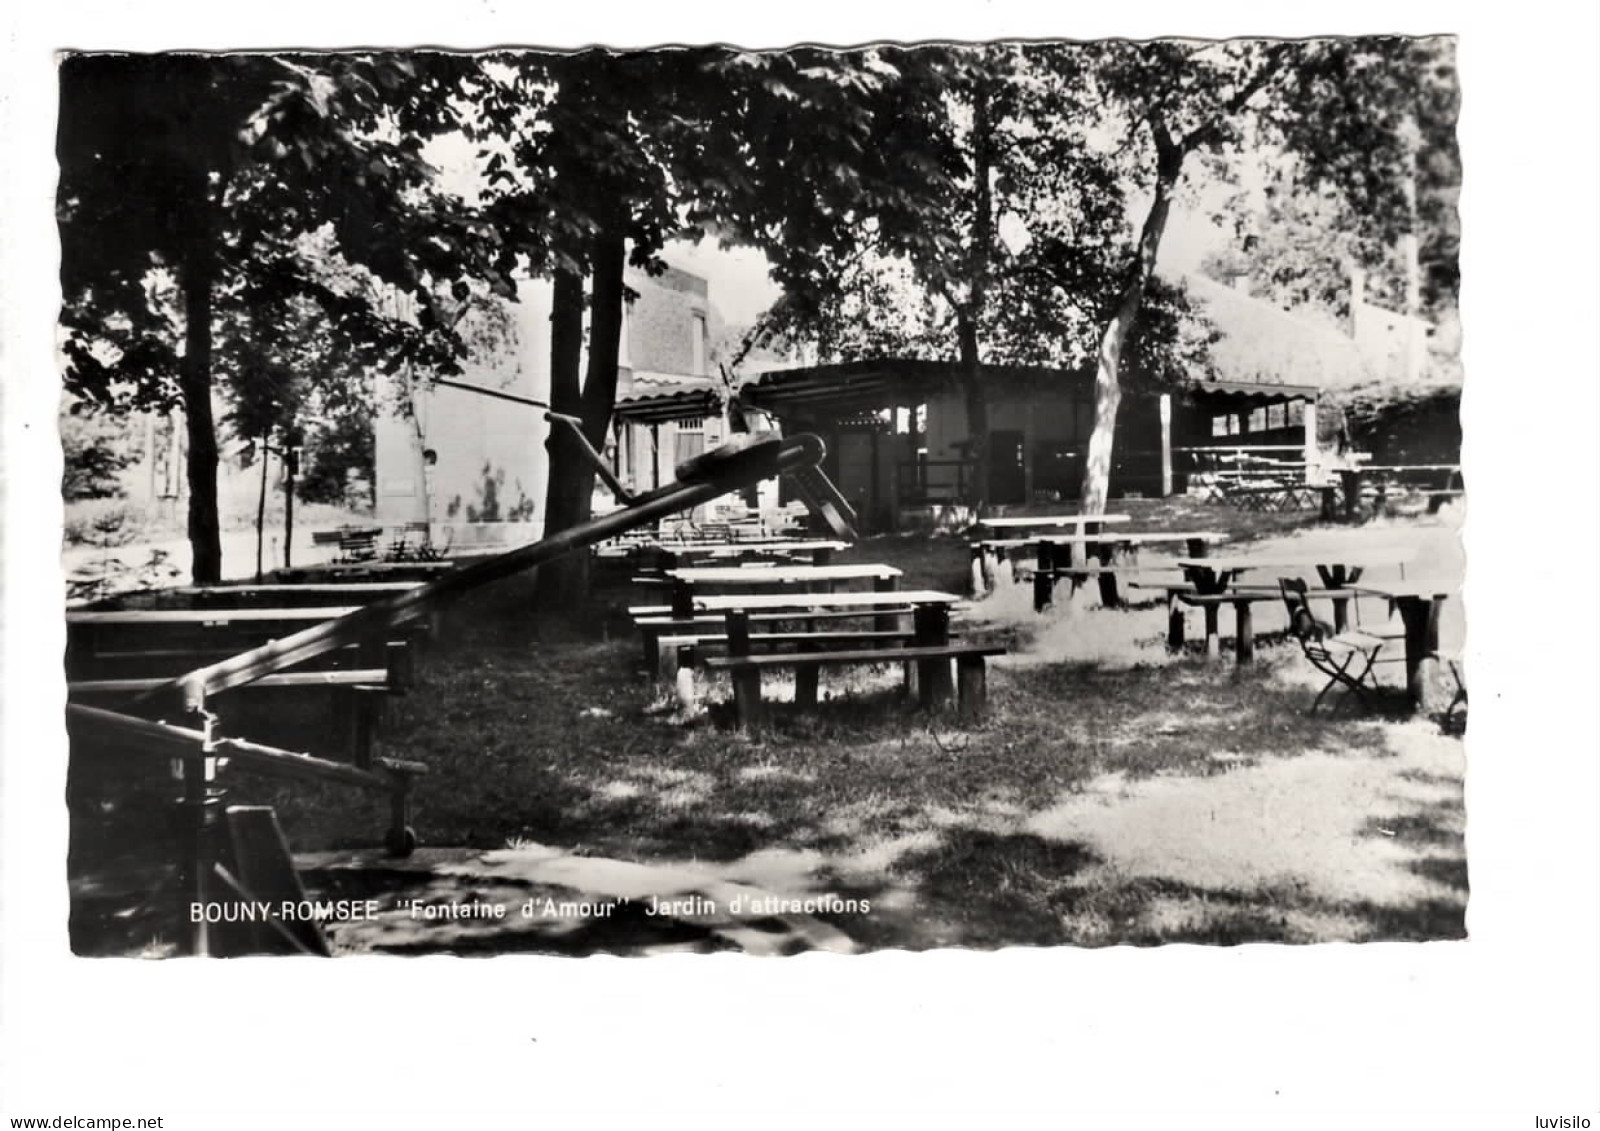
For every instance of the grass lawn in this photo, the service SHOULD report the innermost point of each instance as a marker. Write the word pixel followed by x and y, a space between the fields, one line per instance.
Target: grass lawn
pixel 1114 794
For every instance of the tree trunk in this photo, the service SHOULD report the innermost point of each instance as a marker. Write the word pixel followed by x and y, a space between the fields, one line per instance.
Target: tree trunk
pixel 977 406
pixel 291 464
pixel 1096 482
pixel 977 299
pixel 565 581
pixel 197 274
pixel 261 509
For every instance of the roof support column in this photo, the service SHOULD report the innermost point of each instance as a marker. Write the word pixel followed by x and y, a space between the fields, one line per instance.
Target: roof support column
pixel 1313 454
pixel 1165 405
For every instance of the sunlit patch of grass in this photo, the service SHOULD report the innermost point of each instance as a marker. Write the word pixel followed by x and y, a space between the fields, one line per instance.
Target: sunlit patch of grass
pixel 545 736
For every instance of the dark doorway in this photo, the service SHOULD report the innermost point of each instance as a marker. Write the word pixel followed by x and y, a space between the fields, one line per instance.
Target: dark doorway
pixel 1008 483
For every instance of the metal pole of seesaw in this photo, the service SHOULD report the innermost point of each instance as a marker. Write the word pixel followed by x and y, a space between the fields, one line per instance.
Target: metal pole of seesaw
pixel 761 461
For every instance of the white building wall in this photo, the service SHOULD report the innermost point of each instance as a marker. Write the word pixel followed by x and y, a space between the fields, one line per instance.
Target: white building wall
pixel 488 484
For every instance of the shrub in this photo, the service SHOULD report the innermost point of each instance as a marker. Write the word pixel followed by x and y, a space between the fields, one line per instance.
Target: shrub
pixel 104 522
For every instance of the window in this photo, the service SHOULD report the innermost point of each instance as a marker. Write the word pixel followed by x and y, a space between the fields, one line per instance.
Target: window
pixel 697 345
pixel 1258 420
pixel 1277 416
pixel 1219 425
pixel 691 440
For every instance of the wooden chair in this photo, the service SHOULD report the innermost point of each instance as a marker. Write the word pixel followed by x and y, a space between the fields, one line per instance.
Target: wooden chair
pixel 1346 658
pixel 1452 723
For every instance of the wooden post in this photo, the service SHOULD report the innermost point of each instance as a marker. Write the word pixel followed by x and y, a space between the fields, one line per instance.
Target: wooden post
pixel 366 707
pixel 874 500
pixel 1166 444
pixel 972 687
pixel 1213 634
pixel 1313 454
pixel 1351 477
pixel 1044 577
pixel 805 684
pixel 932 630
pixel 746 681
pixel 1174 623
pixel 1108 555
pixel 1244 641
pixel 885 622
pixel 667 660
pixel 198 807
pixel 682 599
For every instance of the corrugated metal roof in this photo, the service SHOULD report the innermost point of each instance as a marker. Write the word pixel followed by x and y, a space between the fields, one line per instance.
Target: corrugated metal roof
pixel 656 398
pixel 1258 390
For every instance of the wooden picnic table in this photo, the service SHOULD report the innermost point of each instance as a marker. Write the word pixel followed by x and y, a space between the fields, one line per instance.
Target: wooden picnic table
pixel 393 570
pixel 207 617
pixel 1419 602
pixel 669 554
pixel 1336 571
pixel 1354 479
pixel 1029 522
pixel 270 595
pixel 781 574
pixel 1215 574
pixel 1112 552
pixel 686 581
pixel 721 603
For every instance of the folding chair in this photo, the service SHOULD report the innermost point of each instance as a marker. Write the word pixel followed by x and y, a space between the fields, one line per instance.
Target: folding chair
pixel 1346 658
pixel 1451 723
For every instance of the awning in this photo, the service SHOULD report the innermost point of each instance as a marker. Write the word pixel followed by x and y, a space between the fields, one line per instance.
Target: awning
pixel 658 398
pixel 848 389
pixel 660 408
pixel 1258 391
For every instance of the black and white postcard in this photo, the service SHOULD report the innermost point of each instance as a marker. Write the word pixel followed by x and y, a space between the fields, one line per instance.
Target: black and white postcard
pixel 795 536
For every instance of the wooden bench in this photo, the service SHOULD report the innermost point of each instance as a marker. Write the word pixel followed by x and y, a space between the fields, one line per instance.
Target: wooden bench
pixel 1291 495
pixel 356 544
pixel 203 634
pixel 1242 598
pixel 653 628
pixel 1109 550
pixel 931 651
pixel 683 651
pixel 127 653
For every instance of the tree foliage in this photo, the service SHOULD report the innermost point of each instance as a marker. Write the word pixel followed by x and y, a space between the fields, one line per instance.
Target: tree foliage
pixel 189 187
pixel 595 160
pixel 96 447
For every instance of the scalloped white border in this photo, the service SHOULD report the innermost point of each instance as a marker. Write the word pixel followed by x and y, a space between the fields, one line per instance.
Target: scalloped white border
pixel 1502 1024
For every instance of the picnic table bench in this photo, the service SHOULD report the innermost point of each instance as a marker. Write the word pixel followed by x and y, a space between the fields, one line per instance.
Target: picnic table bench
pixel 1275 495
pixel 1212 582
pixel 927 657
pixel 356 543
pixel 1444 483
pixel 985 548
pixel 686 582
pixel 663 556
pixel 885 609
pixel 1419 603
pixel 342 572
pixel 1334 569
pixel 1117 554
pixel 162 642
pixel 123 654
pixel 1242 598
pixel 276 595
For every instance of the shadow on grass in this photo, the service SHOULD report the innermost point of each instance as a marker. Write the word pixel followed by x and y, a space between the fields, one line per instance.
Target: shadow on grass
pixel 555 741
